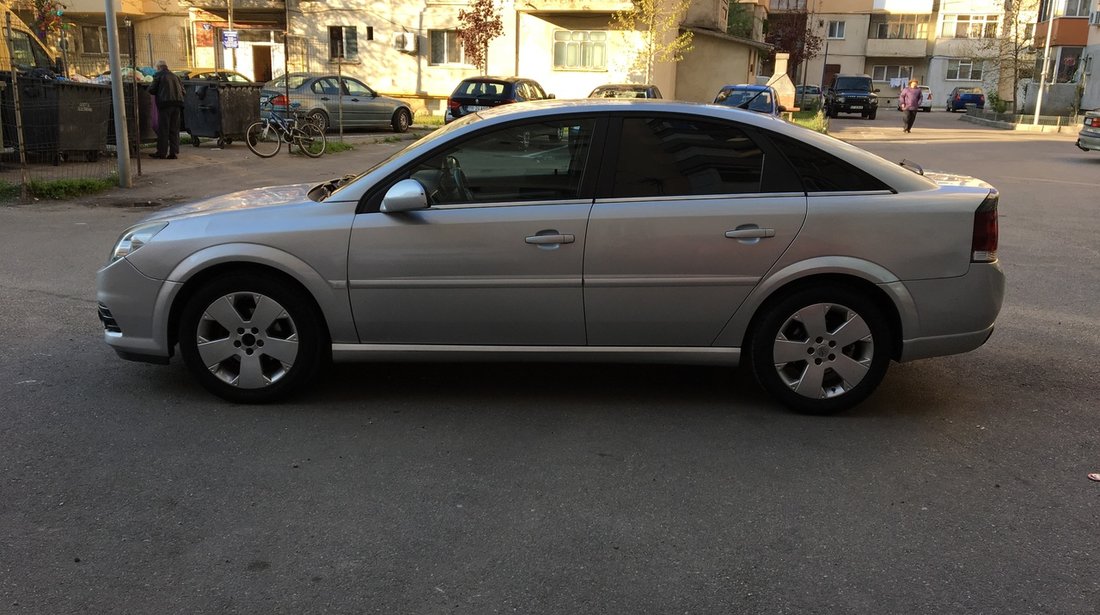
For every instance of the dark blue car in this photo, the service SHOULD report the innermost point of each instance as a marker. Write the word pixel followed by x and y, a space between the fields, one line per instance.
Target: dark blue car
pixel 959 98
pixel 759 98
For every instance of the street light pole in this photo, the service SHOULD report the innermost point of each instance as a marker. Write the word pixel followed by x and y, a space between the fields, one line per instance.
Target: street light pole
pixel 1046 61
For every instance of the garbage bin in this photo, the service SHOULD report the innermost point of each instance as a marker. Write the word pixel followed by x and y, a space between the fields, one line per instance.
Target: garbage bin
pixel 219 110
pixel 139 129
pixel 60 118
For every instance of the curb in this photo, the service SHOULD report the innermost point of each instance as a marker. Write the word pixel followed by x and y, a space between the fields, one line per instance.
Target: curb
pixel 981 121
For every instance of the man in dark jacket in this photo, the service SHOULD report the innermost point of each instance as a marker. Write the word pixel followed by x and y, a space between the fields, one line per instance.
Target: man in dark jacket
pixel 168 89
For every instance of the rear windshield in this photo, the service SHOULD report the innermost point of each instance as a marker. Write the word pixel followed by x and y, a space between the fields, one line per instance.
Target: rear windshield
pixel 853 83
pixel 295 82
pixel 970 90
pixel 482 89
pixel 617 93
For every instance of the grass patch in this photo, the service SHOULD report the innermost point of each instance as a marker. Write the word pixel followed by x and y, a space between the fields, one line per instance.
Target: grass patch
pixel 428 120
pixel 335 147
pixel 60 189
pixel 814 120
pixel 8 191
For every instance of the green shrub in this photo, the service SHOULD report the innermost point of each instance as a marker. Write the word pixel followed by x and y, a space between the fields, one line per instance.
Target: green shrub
pixel 814 120
pixel 60 189
pixel 428 120
pixel 996 103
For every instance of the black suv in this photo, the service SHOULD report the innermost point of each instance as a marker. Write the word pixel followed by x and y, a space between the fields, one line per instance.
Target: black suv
pixel 851 94
pixel 477 93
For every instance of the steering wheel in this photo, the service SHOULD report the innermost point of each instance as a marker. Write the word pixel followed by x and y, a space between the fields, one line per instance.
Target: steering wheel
pixel 453 182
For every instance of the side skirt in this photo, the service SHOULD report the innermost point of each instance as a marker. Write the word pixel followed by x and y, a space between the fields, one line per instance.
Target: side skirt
pixel 595 354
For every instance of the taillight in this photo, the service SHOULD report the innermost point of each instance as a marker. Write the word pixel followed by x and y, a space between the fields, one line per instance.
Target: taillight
pixel 981 99
pixel 279 101
pixel 452 104
pixel 983 245
pixel 958 97
pixel 1092 121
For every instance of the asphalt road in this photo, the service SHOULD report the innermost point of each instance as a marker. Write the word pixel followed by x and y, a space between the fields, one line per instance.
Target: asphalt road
pixel 960 487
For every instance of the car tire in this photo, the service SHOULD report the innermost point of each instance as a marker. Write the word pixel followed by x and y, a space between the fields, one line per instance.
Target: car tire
pixel 926 109
pixel 320 118
pixel 872 114
pixel 826 376
pixel 401 120
pixel 252 337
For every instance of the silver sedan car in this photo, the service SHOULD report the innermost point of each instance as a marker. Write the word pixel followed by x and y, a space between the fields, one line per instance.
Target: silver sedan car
pixel 647 231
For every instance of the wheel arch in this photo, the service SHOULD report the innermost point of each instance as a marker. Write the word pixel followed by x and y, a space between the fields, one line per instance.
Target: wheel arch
pixel 878 283
pixel 329 299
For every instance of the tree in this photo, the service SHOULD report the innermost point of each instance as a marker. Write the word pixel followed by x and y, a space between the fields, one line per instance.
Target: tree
pixel 788 33
pixel 47 16
pixel 656 21
pixel 1015 54
pixel 740 20
pixel 480 24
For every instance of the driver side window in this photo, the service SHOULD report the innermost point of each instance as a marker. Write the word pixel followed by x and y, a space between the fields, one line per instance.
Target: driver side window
pixel 522 162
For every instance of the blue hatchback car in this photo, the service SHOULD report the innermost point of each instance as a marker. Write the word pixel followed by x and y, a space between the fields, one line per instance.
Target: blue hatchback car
pixel 959 98
pixel 759 98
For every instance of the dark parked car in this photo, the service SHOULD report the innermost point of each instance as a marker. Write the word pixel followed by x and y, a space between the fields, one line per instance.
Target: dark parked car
pixel 959 98
pixel 319 97
pixel 477 93
pixel 759 98
pixel 213 74
pixel 851 94
pixel 625 90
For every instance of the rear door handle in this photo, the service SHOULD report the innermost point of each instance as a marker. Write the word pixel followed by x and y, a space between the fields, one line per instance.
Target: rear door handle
pixel 543 240
pixel 750 232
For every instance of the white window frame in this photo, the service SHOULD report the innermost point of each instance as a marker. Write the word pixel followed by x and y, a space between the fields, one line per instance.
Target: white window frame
pixel 446 37
pixel 835 30
pixel 101 34
pixel 885 72
pixel 970 63
pixel 349 55
pixel 977 26
pixel 1080 8
pixel 579 50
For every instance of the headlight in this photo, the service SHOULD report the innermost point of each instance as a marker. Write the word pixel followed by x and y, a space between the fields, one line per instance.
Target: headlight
pixel 840 99
pixel 134 238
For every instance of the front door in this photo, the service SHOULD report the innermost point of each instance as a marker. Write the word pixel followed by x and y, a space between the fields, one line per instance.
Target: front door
pixel 496 259
pixel 368 109
pixel 685 228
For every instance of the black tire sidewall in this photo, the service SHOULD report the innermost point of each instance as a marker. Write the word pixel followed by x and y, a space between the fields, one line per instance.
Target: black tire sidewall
pixel 761 346
pixel 401 121
pixel 312 338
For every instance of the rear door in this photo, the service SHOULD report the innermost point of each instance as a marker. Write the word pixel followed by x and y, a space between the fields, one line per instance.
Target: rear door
pixel 690 214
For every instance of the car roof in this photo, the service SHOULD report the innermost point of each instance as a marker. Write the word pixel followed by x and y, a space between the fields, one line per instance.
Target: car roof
pixel 490 78
pixel 748 86
pixel 623 86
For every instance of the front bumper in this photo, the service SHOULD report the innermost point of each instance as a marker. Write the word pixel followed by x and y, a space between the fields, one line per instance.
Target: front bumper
pixel 954 315
pixel 137 307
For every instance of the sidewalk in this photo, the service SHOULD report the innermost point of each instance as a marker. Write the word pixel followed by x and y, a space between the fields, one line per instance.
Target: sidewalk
pixel 207 171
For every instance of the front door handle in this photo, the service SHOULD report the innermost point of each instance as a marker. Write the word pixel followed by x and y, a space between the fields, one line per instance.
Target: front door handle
pixel 750 232
pixel 558 238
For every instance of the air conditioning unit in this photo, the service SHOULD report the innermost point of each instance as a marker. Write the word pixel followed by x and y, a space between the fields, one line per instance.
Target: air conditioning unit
pixel 1094 18
pixel 404 42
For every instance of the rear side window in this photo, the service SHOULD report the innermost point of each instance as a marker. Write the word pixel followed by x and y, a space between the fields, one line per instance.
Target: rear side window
pixel 669 156
pixel 822 172
pixel 482 89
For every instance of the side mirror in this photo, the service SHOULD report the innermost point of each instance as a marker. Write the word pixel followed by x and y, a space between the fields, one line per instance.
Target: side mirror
pixel 876 90
pixel 782 109
pixel 405 195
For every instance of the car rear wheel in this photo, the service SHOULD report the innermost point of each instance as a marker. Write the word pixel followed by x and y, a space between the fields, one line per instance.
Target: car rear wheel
pixel 251 338
pixel 401 120
pixel 319 118
pixel 821 349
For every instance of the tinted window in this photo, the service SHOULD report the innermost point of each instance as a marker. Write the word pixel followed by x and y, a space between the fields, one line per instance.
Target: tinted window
pixel 356 88
pixel 759 100
pixel 821 172
pixel 524 162
pixel 482 89
pixel 674 156
pixel 853 83
pixel 327 85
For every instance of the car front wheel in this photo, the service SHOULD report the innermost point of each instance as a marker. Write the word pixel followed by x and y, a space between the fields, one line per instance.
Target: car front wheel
pixel 251 338
pixel 401 120
pixel 821 349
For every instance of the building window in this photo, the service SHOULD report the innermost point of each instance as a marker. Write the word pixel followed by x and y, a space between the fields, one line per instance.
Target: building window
pixel 342 42
pixel 787 5
pixel 965 70
pixel 580 50
pixel 445 47
pixel 901 26
pixel 891 72
pixel 836 29
pixel 1077 8
pixel 93 39
pixel 969 26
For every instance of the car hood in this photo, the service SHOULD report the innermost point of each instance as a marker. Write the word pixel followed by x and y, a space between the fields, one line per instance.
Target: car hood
pixel 256 198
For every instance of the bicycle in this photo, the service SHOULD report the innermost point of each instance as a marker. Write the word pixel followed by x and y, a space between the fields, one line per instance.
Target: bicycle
pixel 266 137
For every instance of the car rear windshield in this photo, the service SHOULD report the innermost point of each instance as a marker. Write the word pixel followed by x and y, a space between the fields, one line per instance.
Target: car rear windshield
pixel 617 93
pixel 970 90
pixel 483 89
pixel 295 82
pixel 853 83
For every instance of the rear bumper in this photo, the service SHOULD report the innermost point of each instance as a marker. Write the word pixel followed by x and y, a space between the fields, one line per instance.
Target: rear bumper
pixel 954 315
pixel 1089 140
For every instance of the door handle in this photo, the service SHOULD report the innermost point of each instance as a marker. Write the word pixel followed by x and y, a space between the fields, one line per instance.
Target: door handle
pixel 355 100
pixel 750 232
pixel 324 98
pixel 542 240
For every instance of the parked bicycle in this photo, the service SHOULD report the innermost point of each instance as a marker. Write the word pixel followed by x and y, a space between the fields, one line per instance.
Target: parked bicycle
pixel 267 136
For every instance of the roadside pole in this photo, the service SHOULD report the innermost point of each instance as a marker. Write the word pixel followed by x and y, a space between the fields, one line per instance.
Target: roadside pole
pixel 18 114
pixel 1046 61
pixel 122 139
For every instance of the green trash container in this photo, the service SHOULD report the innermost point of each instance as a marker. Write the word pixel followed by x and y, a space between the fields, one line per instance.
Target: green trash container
pixel 219 110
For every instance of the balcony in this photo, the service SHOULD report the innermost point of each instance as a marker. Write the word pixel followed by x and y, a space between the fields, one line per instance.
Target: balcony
pixel 220 6
pixel 897 48
pixel 902 6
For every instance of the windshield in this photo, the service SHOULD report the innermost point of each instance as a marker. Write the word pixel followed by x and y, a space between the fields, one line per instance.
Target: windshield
pixel 853 83
pixel 734 98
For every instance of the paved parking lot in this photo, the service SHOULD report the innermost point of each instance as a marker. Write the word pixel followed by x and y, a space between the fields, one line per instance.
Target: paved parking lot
pixel 960 487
